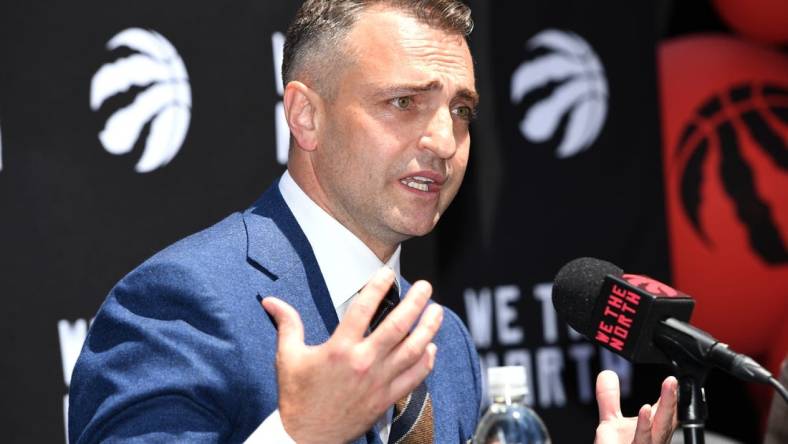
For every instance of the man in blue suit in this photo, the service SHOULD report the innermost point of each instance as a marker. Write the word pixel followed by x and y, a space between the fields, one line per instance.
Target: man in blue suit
pixel 378 98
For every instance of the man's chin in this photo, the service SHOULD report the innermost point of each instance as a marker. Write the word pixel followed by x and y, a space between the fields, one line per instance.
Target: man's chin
pixel 420 229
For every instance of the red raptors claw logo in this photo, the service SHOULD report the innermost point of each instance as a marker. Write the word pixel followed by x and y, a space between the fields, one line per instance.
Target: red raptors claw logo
pixel 759 110
pixel 650 285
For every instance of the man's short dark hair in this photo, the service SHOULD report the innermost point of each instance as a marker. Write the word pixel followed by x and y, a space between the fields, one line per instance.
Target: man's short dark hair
pixel 320 25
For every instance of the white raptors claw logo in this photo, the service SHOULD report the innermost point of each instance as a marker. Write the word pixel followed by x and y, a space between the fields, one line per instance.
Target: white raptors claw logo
pixel 165 102
pixel 581 91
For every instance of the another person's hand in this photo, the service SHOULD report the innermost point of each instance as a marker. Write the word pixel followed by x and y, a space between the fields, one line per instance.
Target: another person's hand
pixel 335 391
pixel 653 425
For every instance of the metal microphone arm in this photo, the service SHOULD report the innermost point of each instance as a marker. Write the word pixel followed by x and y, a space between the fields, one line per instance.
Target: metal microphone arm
pixel 686 353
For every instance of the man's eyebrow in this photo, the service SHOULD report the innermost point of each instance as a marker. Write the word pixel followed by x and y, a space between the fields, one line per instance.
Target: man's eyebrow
pixel 469 95
pixel 405 90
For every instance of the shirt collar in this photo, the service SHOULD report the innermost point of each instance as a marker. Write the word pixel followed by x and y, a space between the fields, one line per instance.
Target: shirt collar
pixel 344 260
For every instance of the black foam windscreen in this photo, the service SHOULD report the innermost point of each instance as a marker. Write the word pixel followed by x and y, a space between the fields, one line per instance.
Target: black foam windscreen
pixel 576 288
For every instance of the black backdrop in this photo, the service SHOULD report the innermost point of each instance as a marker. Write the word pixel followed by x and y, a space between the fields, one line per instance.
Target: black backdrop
pixel 75 218
pixel 528 207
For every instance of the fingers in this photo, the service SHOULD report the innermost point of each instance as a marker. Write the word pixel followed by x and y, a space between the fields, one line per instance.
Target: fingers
pixel 358 316
pixel 664 416
pixel 412 377
pixel 643 427
pixel 653 424
pixel 288 323
pixel 608 396
pixel 396 326
pixel 411 349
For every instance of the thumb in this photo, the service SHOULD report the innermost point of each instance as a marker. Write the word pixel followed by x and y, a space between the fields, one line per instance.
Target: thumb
pixel 288 323
pixel 608 396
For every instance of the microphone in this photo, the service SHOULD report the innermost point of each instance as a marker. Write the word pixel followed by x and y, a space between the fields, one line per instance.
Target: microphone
pixel 641 319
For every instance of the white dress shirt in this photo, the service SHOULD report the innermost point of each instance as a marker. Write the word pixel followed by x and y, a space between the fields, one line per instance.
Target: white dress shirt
pixel 346 264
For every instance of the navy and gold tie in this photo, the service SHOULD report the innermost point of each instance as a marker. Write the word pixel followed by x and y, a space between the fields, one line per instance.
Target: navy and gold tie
pixel 412 422
pixel 386 305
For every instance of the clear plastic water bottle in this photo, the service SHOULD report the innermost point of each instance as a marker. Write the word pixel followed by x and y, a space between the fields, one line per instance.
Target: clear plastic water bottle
pixel 508 420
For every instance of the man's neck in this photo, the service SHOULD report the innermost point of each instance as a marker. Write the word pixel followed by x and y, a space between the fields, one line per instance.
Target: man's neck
pixel 310 186
pixel 345 261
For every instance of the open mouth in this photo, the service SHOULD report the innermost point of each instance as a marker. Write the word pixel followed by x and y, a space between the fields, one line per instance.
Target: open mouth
pixel 417 182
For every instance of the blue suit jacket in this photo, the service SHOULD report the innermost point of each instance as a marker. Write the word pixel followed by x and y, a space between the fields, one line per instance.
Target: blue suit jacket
pixel 181 350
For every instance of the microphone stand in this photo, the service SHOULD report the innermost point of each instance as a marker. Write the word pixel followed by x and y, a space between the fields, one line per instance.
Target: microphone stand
pixel 692 410
pixel 691 373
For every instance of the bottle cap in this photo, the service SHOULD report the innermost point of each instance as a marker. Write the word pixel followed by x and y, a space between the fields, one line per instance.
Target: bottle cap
pixel 508 381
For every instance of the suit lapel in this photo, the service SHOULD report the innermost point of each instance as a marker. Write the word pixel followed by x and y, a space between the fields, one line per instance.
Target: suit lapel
pixel 278 248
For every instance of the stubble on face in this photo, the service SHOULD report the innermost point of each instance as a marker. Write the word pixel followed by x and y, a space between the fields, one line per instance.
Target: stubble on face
pixel 394 115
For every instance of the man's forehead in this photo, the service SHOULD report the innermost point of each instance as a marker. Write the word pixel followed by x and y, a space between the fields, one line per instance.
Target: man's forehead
pixel 379 27
pixel 389 43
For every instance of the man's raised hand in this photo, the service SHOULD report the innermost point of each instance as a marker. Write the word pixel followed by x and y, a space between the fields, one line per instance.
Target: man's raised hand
pixel 335 391
pixel 653 425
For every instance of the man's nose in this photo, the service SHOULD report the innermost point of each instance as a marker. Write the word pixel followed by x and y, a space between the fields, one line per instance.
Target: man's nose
pixel 438 136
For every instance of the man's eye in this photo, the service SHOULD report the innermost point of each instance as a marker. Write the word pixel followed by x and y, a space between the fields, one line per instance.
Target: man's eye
pixel 465 112
pixel 402 102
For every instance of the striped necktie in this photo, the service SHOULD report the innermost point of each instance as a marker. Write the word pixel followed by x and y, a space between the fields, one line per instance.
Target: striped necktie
pixel 412 423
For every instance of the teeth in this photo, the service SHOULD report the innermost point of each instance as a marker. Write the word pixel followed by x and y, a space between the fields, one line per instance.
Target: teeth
pixel 416 185
pixel 418 182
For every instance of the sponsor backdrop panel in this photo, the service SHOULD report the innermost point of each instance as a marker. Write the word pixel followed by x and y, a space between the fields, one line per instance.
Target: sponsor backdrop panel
pixel 725 150
pixel 125 126
pixel 566 164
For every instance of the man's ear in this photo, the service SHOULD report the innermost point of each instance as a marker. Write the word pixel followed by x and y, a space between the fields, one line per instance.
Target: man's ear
pixel 301 109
